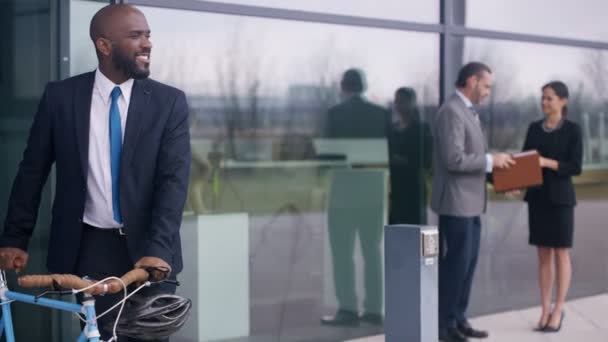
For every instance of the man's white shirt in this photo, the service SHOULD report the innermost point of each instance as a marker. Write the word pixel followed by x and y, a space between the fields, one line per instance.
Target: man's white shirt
pixel 98 210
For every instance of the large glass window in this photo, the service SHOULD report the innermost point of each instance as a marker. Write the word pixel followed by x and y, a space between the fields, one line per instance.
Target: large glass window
pixel 300 155
pixel 286 184
pixel 82 53
pixel 408 10
pixel 521 69
pixel 279 142
pixel 26 65
pixel 506 275
pixel 564 19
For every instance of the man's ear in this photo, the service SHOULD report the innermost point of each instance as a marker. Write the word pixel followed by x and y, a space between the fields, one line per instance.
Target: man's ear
pixel 469 81
pixel 104 46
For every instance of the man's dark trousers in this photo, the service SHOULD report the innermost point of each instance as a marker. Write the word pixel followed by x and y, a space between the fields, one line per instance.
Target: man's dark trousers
pixel 459 242
pixel 104 253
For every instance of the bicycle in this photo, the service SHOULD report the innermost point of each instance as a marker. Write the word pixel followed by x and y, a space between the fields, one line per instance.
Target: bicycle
pixel 74 285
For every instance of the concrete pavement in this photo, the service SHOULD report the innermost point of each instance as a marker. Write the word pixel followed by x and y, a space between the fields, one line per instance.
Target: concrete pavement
pixel 586 320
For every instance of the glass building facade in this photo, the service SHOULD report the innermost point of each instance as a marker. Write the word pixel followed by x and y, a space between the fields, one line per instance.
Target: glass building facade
pixel 287 196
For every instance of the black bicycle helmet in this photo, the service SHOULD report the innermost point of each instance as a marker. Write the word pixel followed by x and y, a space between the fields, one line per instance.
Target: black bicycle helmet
pixel 151 318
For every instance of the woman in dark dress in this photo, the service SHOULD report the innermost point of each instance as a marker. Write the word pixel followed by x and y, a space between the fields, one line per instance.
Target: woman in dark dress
pixel 551 206
pixel 409 143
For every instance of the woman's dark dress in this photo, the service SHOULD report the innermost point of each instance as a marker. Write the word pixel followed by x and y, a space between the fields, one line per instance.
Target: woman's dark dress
pixel 409 158
pixel 551 206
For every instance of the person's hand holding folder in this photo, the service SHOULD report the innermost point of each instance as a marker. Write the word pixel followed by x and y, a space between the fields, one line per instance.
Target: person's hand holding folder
pixel 523 173
pixel 502 160
pixel 549 163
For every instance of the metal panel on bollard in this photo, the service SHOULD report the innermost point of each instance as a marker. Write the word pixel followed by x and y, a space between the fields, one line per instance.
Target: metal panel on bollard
pixel 411 283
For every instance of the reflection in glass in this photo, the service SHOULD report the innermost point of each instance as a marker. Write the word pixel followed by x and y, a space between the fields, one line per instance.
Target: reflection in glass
pixel 564 19
pixel 520 69
pixel 259 92
pixel 353 209
pixel 355 117
pixel 82 52
pixel 410 10
pixel 410 160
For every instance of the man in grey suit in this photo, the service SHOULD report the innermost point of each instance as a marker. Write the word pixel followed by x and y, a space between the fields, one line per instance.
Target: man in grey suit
pixel 461 162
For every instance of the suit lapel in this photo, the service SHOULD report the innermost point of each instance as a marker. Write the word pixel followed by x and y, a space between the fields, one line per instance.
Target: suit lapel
pixel 468 113
pixel 470 118
pixel 82 118
pixel 140 97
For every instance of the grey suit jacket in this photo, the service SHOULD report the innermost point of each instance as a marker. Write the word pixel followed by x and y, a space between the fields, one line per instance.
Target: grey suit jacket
pixel 459 161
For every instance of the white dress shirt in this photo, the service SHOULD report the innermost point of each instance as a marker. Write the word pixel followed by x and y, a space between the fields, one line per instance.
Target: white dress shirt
pixel 469 104
pixel 98 210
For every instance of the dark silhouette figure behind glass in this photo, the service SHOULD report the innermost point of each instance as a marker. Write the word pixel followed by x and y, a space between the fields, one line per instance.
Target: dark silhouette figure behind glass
pixel 409 143
pixel 353 118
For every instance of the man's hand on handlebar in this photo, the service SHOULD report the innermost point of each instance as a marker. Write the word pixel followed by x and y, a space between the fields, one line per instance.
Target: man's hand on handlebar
pixel 70 281
pixel 12 258
pixel 157 267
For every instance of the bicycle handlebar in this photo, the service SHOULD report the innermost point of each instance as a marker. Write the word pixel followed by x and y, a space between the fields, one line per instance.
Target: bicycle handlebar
pixel 74 282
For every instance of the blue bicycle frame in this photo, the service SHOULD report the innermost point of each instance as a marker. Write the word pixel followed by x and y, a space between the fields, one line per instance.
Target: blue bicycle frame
pixel 87 308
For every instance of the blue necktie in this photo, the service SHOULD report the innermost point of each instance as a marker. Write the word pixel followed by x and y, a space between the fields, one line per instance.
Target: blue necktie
pixel 115 151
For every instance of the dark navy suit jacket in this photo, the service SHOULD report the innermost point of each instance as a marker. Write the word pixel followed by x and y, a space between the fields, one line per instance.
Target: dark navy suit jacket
pixel 357 118
pixel 153 176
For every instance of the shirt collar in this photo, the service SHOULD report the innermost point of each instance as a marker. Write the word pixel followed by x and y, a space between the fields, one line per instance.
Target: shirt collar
pixel 104 86
pixel 464 99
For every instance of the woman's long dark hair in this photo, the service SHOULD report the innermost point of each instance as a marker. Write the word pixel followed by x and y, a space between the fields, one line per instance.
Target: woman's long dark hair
pixel 407 96
pixel 561 90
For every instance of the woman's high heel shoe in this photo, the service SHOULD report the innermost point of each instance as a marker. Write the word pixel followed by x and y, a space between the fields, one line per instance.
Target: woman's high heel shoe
pixel 541 327
pixel 558 328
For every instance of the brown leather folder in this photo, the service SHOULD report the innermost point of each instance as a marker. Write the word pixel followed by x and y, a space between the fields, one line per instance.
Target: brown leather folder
pixel 525 173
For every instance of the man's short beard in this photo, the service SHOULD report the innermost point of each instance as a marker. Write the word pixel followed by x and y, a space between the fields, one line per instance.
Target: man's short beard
pixel 127 65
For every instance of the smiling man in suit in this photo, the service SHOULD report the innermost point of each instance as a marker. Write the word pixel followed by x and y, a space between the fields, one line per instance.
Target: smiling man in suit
pixel 120 145
pixel 459 196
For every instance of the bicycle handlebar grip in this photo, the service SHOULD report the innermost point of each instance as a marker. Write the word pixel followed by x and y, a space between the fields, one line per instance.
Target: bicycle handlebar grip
pixel 70 281
pixel 62 280
pixel 133 276
pixel 35 281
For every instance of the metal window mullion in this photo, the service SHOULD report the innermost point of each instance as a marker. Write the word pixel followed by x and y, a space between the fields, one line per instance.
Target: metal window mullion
pixel 446 25
pixel 448 54
pixel 462 31
pixel 63 34
pixel 286 14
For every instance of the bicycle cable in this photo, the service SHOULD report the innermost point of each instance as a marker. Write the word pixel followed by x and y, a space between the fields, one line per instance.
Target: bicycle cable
pixel 122 303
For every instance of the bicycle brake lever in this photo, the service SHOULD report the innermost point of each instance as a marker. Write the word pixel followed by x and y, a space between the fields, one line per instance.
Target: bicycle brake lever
pixel 165 271
pixel 59 292
pixel 56 290
pixel 170 281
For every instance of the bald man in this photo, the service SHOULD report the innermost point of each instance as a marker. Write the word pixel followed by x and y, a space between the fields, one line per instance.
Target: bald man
pixel 120 145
